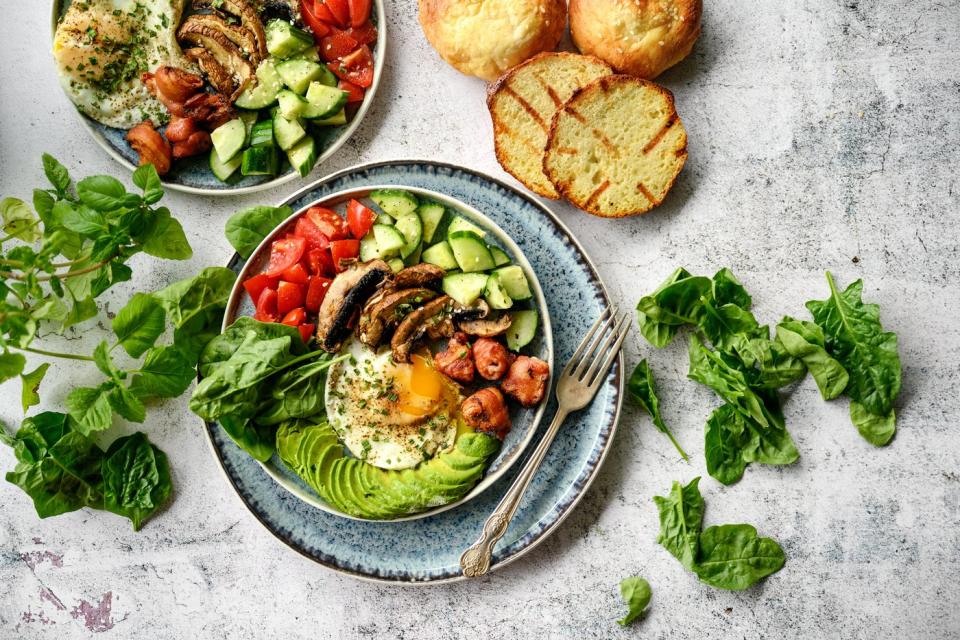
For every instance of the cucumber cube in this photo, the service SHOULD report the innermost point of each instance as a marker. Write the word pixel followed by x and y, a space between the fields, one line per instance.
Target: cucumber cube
pixel 514 282
pixel 228 138
pixel 522 328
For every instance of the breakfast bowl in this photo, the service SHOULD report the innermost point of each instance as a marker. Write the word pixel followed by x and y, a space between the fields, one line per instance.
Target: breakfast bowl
pixel 347 410
pixel 203 173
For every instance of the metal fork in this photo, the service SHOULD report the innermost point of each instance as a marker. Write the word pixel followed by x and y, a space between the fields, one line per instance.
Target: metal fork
pixel 576 386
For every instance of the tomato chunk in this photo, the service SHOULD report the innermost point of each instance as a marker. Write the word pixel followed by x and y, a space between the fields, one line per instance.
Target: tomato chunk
pixel 336 45
pixel 294 318
pixel 329 222
pixel 316 25
pixel 266 308
pixel 359 11
pixel 316 292
pixel 364 34
pixel 354 93
pixel 289 296
pixel 257 284
pixel 359 218
pixel 320 262
pixel 343 250
pixel 296 274
pixel 357 67
pixel 340 10
pixel 306 229
pixel 306 331
pixel 284 254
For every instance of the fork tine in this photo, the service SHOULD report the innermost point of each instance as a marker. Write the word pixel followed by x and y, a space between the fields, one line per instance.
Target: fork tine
pixel 599 356
pixel 587 339
pixel 591 348
pixel 602 369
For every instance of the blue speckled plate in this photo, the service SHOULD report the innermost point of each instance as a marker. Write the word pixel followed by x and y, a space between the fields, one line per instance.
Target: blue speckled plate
pixel 193 175
pixel 428 550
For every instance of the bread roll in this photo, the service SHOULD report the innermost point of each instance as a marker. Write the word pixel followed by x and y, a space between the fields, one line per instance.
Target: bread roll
pixel 484 38
pixel 639 37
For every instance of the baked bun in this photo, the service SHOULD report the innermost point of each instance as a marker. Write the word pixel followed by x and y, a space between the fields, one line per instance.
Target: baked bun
pixel 522 104
pixel 616 147
pixel 484 38
pixel 639 37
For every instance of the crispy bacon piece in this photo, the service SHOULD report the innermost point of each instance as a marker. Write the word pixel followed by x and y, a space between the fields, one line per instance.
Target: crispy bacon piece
pixel 526 381
pixel 175 108
pixel 198 142
pixel 179 129
pixel 456 362
pixel 486 411
pixel 211 109
pixel 175 84
pixel 492 358
pixel 151 146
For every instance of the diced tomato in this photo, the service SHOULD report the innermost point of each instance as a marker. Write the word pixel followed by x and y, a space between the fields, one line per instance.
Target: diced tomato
pixel 340 10
pixel 354 93
pixel 289 297
pixel 296 274
pixel 257 284
pixel 323 13
pixel 356 67
pixel 316 292
pixel 329 222
pixel 359 11
pixel 317 26
pixel 284 254
pixel 294 318
pixel 306 331
pixel 343 250
pixel 320 262
pixel 266 308
pixel 306 229
pixel 336 45
pixel 364 34
pixel 359 218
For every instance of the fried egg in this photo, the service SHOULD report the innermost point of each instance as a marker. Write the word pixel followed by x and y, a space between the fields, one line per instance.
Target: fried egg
pixel 101 48
pixel 391 415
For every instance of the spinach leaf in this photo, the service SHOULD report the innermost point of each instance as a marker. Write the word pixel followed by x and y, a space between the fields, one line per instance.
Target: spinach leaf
pixel 778 367
pixel 734 331
pixel 877 430
pixel 805 340
pixel 854 336
pixel 138 324
pixel 636 595
pixel 257 440
pixel 245 328
pixel 298 393
pixel 166 372
pixel 246 229
pixel 185 299
pixel 728 290
pixel 642 390
pixel 734 557
pixel 136 478
pixel 732 441
pixel 675 304
pixel 681 516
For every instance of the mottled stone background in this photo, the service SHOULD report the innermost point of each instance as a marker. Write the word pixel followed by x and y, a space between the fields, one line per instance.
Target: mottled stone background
pixel 823 135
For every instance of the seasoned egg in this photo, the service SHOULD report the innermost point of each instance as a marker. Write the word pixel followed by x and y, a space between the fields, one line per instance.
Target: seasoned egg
pixel 391 415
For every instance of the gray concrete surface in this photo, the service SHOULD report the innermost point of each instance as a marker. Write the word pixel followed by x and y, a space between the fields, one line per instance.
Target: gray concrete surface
pixel 823 135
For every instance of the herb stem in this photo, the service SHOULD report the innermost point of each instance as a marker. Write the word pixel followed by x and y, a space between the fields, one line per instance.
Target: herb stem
pixel 683 454
pixel 60 276
pixel 55 354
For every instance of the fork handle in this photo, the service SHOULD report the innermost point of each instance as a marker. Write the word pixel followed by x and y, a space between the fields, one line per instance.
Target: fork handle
pixel 475 561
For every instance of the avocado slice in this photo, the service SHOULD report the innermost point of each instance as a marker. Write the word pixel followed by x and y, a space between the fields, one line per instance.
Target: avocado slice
pixel 319 477
pixel 289 436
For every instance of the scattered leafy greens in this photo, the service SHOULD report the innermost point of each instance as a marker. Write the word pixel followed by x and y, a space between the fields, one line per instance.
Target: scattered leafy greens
pixel 730 556
pixel 246 229
pixel 804 340
pixel 636 595
pixel 643 391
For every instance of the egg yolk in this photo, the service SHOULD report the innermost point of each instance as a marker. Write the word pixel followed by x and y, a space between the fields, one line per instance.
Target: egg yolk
pixel 422 389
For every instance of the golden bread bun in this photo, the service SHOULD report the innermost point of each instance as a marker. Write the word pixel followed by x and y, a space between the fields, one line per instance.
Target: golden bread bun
pixel 639 37
pixel 484 38
pixel 616 147
pixel 522 104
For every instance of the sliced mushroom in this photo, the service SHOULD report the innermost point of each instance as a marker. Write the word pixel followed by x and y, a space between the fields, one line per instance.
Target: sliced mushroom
pixel 432 319
pixel 216 74
pixel 286 9
pixel 476 311
pixel 486 328
pixel 350 290
pixel 238 34
pixel 227 54
pixel 248 15
pixel 386 311
pixel 418 275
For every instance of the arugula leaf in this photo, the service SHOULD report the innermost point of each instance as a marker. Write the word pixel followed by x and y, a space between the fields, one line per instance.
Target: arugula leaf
pixel 30 395
pixel 636 595
pixel 166 372
pixel 165 237
pixel 734 557
pixel 674 304
pixel 11 365
pixel 57 174
pixel 139 324
pixel 90 408
pixel 642 390
pixel 18 220
pixel 877 430
pixel 681 516
pixel 805 340
pixel 136 478
pixel 246 229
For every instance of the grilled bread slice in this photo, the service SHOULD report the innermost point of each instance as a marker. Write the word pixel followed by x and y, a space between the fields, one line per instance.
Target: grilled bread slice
pixel 522 104
pixel 616 147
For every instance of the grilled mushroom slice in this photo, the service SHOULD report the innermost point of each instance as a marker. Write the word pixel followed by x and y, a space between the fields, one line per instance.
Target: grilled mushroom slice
pixel 432 319
pixel 248 18
pixel 216 74
pixel 227 55
pixel 286 9
pixel 350 289
pixel 386 311
pixel 238 34
pixel 418 275
pixel 487 327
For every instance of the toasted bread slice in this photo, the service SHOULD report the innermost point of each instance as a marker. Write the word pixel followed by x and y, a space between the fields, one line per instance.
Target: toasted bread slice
pixel 522 104
pixel 616 147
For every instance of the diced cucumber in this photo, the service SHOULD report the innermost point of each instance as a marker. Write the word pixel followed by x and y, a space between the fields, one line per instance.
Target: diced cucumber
pixel 441 255
pixel 311 54
pixel 522 329
pixel 262 134
pixel 285 40
pixel 298 74
pixel 383 218
pixel 292 106
pixel 462 224
pixel 287 132
pixel 495 295
pixel 389 240
pixel 265 93
pixel 395 202
pixel 303 156
pixel 431 215
pixel 249 119
pixel 224 170
pixel 470 251
pixel 414 258
pixel 514 282
pixel 396 264
pixel 465 288
pixel 260 161
pixel 368 247
pixel 228 138
pixel 412 229
pixel 500 256
pixel 337 119
pixel 323 101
